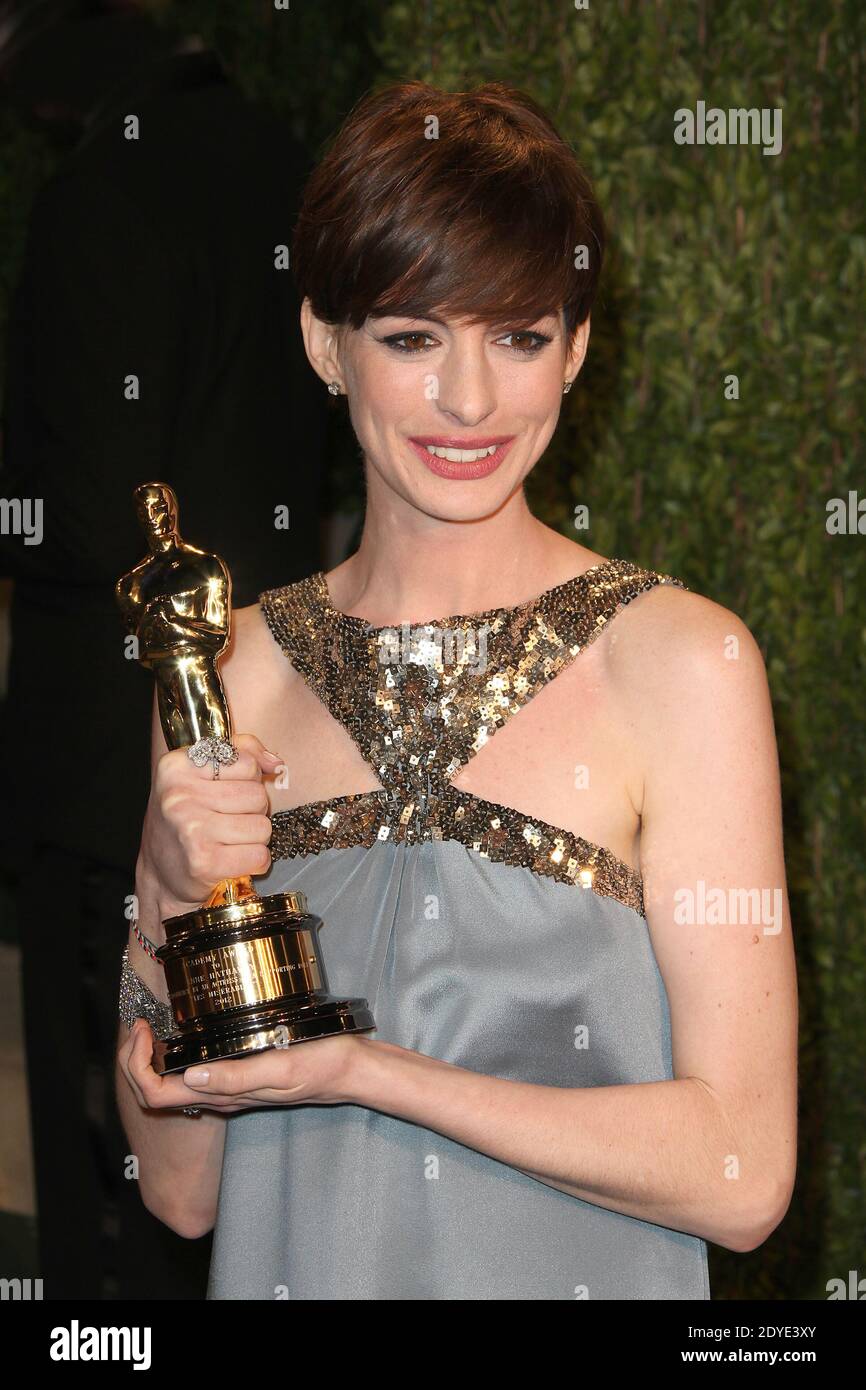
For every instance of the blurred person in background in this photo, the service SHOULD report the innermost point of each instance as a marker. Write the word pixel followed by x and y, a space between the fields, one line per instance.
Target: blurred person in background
pixel 153 335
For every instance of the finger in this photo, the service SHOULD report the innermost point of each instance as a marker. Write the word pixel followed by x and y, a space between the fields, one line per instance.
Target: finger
pixel 220 862
pixel 158 1092
pixel 250 743
pixel 265 1072
pixel 238 797
pixel 140 1062
pixel 149 1085
pixel 228 829
pixel 123 1059
pixel 252 762
pixel 246 767
pixel 155 1092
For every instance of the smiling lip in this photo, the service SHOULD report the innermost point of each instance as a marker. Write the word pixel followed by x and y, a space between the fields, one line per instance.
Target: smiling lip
pixel 446 468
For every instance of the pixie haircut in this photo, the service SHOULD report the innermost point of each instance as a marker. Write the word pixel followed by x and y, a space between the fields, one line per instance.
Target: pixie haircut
pixel 464 204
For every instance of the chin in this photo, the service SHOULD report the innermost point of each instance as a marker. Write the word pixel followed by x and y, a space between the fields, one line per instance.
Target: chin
pixel 463 501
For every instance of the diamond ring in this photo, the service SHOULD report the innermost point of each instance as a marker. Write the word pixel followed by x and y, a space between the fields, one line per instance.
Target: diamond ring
pixel 218 751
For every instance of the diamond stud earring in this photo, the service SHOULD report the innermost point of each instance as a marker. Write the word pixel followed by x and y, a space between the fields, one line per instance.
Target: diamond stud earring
pixel 334 388
pixel 566 387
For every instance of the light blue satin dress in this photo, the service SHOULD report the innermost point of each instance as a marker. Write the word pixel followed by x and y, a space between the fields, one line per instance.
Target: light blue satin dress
pixel 479 936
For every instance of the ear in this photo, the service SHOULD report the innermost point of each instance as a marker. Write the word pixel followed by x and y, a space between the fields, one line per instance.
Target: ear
pixel 321 343
pixel 577 350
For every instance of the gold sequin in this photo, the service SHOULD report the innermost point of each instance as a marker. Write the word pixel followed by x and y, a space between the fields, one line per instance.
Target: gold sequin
pixel 421 699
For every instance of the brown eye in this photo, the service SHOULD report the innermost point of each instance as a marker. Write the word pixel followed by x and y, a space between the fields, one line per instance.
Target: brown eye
pixel 396 340
pixel 532 342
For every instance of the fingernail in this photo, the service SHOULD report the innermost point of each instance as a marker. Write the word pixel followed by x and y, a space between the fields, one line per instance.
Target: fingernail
pixel 275 756
pixel 196 1076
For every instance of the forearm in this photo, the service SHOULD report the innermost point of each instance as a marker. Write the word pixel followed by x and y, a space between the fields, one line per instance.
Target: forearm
pixel 179 1157
pixel 658 1151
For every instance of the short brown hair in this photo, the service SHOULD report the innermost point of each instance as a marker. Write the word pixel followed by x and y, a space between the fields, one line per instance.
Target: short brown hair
pixel 481 222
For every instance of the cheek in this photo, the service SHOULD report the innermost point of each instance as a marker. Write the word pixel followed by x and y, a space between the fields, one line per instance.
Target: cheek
pixel 389 391
pixel 535 393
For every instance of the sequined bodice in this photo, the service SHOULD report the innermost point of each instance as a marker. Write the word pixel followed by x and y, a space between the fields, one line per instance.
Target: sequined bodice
pixel 421 699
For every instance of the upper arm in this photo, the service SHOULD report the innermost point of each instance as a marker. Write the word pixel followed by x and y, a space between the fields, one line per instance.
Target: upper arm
pixel 712 861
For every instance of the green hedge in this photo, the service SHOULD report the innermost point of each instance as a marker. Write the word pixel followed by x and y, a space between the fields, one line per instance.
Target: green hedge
pixel 726 260
pixel 722 260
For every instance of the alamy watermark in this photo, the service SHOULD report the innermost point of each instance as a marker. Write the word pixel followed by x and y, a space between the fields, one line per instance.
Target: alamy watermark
pixel 738 125
pixel 718 907
pixel 433 646
pixel 77 1343
pixel 20 1290
pixel 22 516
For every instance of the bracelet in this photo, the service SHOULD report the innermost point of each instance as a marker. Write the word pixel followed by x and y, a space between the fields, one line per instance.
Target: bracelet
pixel 137 1001
pixel 144 941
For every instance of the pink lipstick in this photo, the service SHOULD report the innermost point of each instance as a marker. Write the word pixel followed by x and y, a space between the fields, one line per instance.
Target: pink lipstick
pixel 489 450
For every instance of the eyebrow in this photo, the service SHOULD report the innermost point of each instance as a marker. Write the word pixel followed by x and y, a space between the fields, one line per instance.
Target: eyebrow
pixel 430 318
pixel 407 314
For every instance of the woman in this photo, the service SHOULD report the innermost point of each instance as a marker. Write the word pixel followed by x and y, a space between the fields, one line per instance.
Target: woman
pixel 579 1075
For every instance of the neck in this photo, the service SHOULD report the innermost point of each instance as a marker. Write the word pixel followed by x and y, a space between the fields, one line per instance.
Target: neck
pixel 160 544
pixel 410 567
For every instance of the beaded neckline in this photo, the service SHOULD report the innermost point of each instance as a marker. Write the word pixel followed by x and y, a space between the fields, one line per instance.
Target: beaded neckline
pixel 417 716
pixel 563 590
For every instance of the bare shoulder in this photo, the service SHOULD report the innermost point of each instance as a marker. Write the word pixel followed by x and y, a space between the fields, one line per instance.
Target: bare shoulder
pixel 668 625
pixel 681 666
pixel 253 667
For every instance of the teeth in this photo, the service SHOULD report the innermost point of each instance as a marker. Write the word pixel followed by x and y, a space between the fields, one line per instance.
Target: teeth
pixel 461 455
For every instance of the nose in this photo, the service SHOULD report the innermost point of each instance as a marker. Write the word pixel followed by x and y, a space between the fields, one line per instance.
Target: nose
pixel 466 381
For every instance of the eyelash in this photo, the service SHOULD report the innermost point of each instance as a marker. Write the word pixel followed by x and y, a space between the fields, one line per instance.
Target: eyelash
pixel 393 340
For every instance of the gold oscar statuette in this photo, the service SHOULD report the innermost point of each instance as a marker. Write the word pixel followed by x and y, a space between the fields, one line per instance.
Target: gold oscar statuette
pixel 244 973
